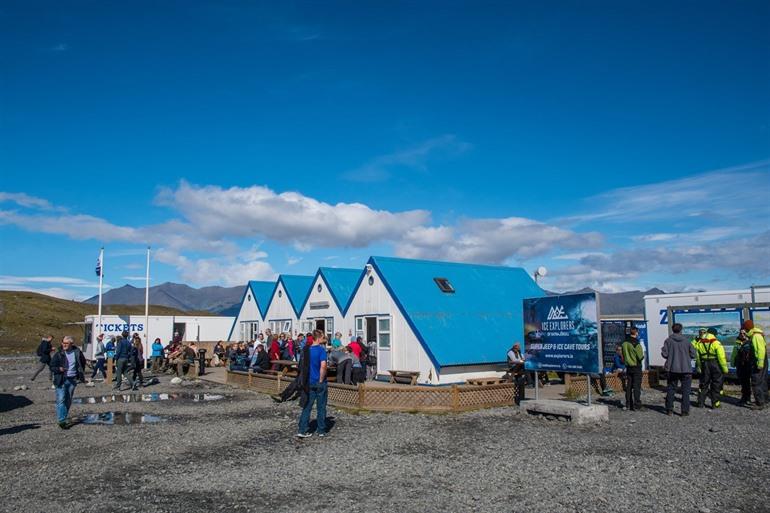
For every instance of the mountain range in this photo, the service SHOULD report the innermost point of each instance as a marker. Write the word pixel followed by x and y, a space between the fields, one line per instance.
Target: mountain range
pixel 226 300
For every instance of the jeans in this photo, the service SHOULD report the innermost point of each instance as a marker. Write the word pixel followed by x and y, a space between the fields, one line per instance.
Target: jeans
pixel 121 369
pixel 318 393
pixel 99 366
pixel 64 395
pixel 40 367
pixel 673 379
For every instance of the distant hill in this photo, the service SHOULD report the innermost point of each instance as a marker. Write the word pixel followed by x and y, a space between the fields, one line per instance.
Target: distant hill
pixel 175 295
pixel 26 316
pixel 619 303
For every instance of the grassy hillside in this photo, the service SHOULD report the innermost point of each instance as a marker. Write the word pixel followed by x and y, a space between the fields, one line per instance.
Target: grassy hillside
pixel 26 316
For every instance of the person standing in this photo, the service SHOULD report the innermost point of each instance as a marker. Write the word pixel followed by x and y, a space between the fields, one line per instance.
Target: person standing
pixel 122 356
pixel 44 356
pixel 712 365
pixel 100 354
pixel 759 364
pixel 633 356
pixel 137 362
pixel 678 353
pixel 315 387
pixel 157 355
pixel 68 366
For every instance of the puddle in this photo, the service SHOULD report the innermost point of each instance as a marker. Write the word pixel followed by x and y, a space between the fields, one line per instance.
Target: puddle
pixel 147 398
pixel 112 418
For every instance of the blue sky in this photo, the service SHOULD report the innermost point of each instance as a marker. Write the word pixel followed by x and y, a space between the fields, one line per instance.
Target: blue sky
pixel 622 145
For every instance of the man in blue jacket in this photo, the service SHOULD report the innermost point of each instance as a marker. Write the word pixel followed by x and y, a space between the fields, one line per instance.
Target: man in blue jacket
pixel 68 366
pixel 122 355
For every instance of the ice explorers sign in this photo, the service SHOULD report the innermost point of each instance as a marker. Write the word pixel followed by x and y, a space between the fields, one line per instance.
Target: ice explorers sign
pixel 561 333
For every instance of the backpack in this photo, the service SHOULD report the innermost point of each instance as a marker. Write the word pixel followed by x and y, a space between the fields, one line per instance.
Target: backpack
pixel 745 355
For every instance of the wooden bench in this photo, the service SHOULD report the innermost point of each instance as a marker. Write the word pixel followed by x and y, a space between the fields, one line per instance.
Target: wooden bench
pixel 486 381
pixel 405 377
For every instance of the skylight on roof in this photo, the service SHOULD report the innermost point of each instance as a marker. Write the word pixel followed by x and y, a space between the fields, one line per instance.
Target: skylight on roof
pixel 444 285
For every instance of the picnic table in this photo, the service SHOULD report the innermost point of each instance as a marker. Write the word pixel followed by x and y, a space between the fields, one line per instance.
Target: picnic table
pixel 398 376
pixel 287 367
pixel 485 381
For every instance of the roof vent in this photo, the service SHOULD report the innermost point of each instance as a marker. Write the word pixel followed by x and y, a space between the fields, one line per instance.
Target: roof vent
pixel 444 285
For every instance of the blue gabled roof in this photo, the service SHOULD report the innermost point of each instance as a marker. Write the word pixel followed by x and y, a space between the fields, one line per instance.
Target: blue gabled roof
pixel 262 292
pixel 297 290
pixel 341 283
pixel 476 324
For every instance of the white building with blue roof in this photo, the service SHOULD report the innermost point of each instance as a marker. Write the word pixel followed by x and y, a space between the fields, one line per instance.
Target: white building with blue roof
pixel 283 310
pixel 448 321
pixel 328 299
pixel 251 316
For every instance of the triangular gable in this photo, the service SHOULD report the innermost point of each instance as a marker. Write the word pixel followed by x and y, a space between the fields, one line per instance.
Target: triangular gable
pixel 475 324
pixel 341 284
pixel 262 291
pixel 297 290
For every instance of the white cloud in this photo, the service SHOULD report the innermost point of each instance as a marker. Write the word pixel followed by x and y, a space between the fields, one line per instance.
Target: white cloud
pixel 492 240
pixel 293 260
pixel 25 200
pixel 724 194
pixel 228 271
pixel 382 167
pixel 61 293
pixel 6 280
pixel 289 217
pixel 134 278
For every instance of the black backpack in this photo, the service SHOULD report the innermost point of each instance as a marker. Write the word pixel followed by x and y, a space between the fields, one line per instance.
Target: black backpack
pixel 745 355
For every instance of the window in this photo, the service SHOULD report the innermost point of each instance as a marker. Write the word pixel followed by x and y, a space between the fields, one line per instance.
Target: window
pixel 444 285
pixel 248 297
pixel 359 326
pixel 371 280
pixel 286 327
pixel 320 288
pixel 383 332
pixel 307 326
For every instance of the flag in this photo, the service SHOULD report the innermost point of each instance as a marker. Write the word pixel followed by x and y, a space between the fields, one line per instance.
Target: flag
pixel 99 266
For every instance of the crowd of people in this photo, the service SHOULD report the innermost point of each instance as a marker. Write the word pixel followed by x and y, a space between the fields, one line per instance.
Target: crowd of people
pixel 354 362
pixel 702 356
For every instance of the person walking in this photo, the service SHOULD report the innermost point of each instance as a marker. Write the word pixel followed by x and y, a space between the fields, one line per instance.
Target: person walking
pixel 711 363
pixel 68 366
pixel 122 357
pixel 315 387
pixel 678 353
pixel 633 356
pixel 759 363
pixel 100 354
pixel 44 356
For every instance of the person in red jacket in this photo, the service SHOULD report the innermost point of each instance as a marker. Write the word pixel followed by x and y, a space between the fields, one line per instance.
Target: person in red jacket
pixel 275 352
pixel 357 346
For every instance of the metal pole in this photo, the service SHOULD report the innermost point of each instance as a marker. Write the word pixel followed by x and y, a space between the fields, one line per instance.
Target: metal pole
pixel 537 387
pixel 147 310
pixel 101 279
pixel 589 388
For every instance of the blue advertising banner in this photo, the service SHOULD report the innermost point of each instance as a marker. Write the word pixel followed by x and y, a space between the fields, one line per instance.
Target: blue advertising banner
pixel 561 333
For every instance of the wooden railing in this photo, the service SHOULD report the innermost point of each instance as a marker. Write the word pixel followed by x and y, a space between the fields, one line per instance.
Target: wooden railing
pixel 418 398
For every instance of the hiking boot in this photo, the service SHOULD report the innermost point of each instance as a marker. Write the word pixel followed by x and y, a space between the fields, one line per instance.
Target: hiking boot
pixel 669 413
pixel 304 435
pixel 64 424
pixel 277 398
pixel 320 434
pixel 685 414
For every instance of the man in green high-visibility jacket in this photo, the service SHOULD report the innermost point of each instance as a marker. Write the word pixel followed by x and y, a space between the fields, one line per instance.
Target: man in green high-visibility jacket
pixel 711 363
pixel 633 356
pixel 759 365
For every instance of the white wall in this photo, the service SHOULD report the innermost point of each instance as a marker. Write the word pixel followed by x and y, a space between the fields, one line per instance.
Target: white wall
pixel 655 308
pixel 249 312
pixel 207 328
pixel 330 311
pixel 280 308
pixel 406 353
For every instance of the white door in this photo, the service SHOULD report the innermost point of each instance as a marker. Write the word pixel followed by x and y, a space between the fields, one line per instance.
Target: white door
pixel 384 353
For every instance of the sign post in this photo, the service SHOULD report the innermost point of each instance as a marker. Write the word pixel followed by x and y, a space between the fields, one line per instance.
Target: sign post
pixel 561 333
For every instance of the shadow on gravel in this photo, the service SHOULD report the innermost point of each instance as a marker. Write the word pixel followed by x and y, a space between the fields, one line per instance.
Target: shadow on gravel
pixel 10 402
pixel 18 429
pixel 314 425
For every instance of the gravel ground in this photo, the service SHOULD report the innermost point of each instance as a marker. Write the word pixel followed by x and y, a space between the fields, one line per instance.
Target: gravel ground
pixel 239 454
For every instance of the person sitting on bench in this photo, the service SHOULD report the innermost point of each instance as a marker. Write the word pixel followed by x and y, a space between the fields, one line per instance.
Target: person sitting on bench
pixel 260 362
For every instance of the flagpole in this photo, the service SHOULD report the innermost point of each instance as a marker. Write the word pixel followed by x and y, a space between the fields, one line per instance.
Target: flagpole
pixel 101 276
pixel 147 307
